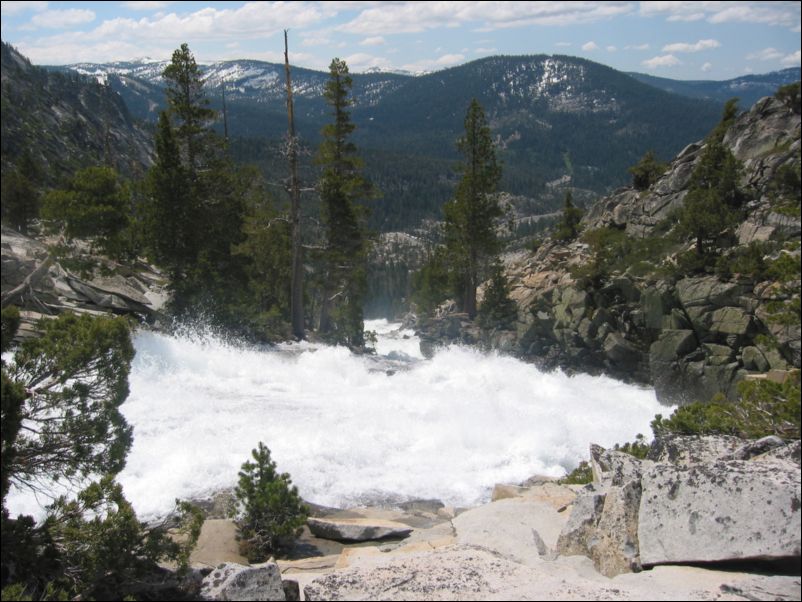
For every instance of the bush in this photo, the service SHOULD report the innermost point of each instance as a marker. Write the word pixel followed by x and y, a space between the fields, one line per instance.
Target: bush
pixel 498 311
pixel 763 408
pixel 647 171
pixel 581 475
pixel 638 448
pixel 273 512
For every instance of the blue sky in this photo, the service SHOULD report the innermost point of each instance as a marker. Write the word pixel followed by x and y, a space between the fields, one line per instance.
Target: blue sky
pixel 682 40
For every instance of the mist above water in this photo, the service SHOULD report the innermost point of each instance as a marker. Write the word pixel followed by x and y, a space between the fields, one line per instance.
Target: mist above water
pixel 358 429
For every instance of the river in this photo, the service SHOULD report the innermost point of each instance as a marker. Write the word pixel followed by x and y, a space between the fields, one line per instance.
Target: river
pixel 354 429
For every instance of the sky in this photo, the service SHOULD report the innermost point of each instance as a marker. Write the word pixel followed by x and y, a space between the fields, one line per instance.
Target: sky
pixel 680 40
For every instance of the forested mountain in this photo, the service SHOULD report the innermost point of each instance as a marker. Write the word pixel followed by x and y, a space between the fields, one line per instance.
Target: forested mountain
pixel 551 116
pixel 748 88
pixel 65 121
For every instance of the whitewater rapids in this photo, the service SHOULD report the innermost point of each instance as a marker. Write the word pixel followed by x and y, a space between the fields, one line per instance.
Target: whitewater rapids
pixel 356 430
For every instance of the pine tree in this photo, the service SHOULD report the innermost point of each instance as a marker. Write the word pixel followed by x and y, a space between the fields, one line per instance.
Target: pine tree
pixel 498 311
pixel 168 229
pixel 272 511
pixel 188 106
pixel 197 199
pixel 714 200
pixel 470 228
pixel 647 171
pixel 568 226
pixel 341 185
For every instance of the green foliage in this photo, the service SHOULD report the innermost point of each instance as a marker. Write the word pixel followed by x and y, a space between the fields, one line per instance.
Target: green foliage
pixel 647 171
pixel 272 510
pixel 470 228
pixel 12 398
pixel 714 200
pixel 498 311
pixel 20 196
pixel 568 226
pixel 430 284
pixel 745 261
pixel 95 204
pixel 66 387
pixel 785 270
pixel 763 408
pixel 76 377
pixel 786 189
pixel 613 251
pixel 638 448
pixel 94 547
pixel 266 305
pixel 195 201
pixel 581 475
pixel 341 185
pixel 104 551
pixel 789 95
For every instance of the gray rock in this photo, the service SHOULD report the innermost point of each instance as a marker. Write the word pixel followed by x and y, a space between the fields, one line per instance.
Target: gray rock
pixel 719 512
pixel 672 345
pixel 753 359
pixel 687 450
pixel 357 529
pixel 579 533
pixel 621 351
pixel 615 549
pixel 756 448
pixel 614 468
pixel 731 320
pixel 232 581
pixel 518 529
pixel 707 291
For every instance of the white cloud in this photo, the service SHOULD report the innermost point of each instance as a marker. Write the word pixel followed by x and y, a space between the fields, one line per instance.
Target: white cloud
pixel 611 49
pixel 485 50
pixel 666 60
pixel 637 47
pixel 373 41
pixel 446 60
pixel 57 19
pixel 697 47
pixel 362 61
pixel 588 46
pixel 767 54
pixel 707 67
pixel 145 5
pixel 409 17
pixel 11 9
pixel 771 13
pixel 157 32
pixel 793 59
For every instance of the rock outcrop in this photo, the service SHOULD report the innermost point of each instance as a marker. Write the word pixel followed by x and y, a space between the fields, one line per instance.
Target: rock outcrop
pixel 357 529
pixel 232 581
pixel 39 283
pixel 689 336
pixel 695 499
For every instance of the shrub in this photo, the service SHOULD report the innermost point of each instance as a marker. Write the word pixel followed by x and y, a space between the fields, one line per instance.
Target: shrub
pixel 581 475
pixel 638 448
pixel 647 171
pixel 272 511
pixel 763 408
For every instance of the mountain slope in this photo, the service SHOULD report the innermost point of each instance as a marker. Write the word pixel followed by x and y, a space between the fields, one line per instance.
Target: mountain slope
pixel 748 88
pixel 552 117
pixel 65 121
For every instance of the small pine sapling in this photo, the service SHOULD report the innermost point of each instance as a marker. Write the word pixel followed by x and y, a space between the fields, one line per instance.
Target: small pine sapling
pixel 272 511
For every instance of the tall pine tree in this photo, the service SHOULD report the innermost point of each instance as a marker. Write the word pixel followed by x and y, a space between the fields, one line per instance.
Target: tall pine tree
pixel 470 228
pixel 341 185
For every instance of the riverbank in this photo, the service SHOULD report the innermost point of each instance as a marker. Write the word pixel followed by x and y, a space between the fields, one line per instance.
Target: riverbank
pixel 743 543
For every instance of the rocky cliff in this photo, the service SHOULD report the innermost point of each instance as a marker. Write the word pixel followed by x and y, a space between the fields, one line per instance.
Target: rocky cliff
pixel 645 319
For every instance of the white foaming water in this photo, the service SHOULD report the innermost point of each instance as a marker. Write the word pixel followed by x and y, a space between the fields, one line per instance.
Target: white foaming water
pixel 355 429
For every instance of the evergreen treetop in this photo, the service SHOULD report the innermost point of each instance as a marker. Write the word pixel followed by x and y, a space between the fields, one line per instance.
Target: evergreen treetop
pixel 470 217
